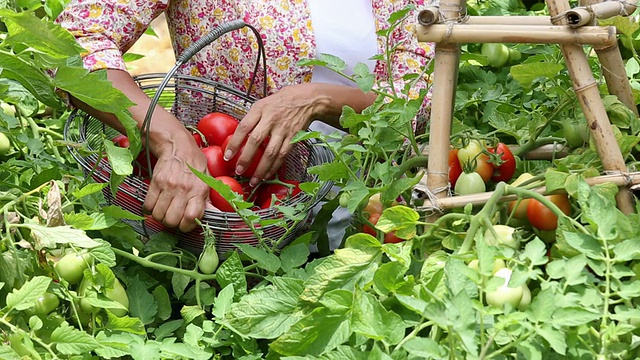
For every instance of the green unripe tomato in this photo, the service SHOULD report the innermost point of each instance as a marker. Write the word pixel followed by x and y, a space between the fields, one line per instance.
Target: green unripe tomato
pixel 514 56
pixel 576 133
pixel 5 144
pixel 46 304
pixel 501 235
pixel 344 199
pixel 504 294
pixel 526 298
pixel 119 294
pixel 8 109
pixel 209 260
pixel 497 54
pixel 72 265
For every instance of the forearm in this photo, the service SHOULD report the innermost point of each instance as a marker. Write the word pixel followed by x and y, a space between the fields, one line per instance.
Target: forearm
pixel 164 129
pixel 332 98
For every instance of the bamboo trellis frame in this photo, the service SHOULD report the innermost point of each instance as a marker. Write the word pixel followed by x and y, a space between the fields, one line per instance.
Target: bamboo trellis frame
pixel 447 25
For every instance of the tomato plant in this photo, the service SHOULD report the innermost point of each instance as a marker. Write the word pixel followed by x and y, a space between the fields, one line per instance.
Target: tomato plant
pixel 216 127
pixel 576 133
pixel 507 165
pixel 389 237
pixel 470 183
pixel 284 189
pixel 220 202
pixel 541 217
pixel 215 161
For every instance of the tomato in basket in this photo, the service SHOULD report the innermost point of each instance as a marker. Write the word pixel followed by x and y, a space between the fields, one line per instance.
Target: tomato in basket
pixel 216 127
pixel 289 189
pixel 215 161
pixel 248 172
pixel 220 202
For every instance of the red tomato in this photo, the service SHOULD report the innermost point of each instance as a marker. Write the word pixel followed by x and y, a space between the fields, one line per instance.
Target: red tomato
pixel 280 191
pixel 541 217
pixel 504 171
pixel 374 206
pixel 253 165
pixel 484 167
pixel 217 200
pixel 121 141
pixel 216 127
pixel 454 167
pixel 215 161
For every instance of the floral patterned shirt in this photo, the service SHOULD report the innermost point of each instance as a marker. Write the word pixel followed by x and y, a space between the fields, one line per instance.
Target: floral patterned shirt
pixel 108 28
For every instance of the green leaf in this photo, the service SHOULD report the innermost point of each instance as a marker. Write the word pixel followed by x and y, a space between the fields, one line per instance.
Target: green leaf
pixel 179 283
pixel 223 302
pixel 71 341
pixel 125 323
pixel 424 348
pixel 584 243
pixel 88 189
pixel 389 278
pixel 555 337
pixel 332 62
pixel 267 261
pixel 294 256
pixel 167 329
pixel 400 219
pixel 163 301
pixel 525 74
pixel 573 316
pixel 627 250
pixel 370 319
pixel 119 158
pixel 542 306
pixel 266 312
pixel 25 297
pixel 50 237
pixel 190 313
pixel 342 270
pixel 231 271
pixel 141 303
pixel 320 331
pixel 31 77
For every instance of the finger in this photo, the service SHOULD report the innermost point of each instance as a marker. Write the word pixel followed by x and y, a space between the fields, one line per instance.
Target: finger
pixel 271 154
pixel 194 210
pixel 245 126
pixel 285 149
pixel 251 151
pixel 162 205
pixel 151 199
pixel 176 210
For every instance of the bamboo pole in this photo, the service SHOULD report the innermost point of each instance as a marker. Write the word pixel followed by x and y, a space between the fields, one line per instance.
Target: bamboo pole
pixel 498 33
pixel 589 96
pixel 454 202
pixel 584 15
pixel 446 66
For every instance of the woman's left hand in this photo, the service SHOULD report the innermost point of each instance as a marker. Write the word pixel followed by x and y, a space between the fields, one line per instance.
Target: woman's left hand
pixel 276 119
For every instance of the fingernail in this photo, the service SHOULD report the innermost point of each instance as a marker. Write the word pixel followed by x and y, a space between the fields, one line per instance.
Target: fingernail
pixel 239 170
pixel 254 182
pixel 228 155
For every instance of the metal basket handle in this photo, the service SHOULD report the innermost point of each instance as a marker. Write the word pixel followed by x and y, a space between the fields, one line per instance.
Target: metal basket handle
pixel 190 52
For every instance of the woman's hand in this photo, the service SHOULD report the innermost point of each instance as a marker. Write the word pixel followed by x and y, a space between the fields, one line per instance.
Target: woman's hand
pixel 176 196
pixel 278 118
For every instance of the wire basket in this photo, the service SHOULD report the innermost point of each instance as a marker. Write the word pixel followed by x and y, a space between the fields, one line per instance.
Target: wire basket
pixel 189 99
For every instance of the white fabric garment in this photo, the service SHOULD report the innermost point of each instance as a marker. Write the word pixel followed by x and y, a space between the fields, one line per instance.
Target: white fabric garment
pixel 346 29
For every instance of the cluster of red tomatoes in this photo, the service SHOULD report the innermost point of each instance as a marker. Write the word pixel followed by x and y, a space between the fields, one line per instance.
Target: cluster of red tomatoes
pixel 212 134
pixel 475 165
pixel 373 210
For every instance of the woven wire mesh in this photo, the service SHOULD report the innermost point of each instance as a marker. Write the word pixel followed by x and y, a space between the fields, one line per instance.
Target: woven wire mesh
pixel 189 99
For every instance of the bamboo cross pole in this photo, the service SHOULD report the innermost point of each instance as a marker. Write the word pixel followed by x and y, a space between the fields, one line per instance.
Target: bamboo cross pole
pixel 589 97
pixel 454 202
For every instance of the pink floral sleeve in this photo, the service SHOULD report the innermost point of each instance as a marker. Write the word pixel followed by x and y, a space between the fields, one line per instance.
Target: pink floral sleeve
pixel 107 29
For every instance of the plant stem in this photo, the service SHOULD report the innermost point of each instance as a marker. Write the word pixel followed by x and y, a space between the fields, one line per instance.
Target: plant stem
pixel 146 263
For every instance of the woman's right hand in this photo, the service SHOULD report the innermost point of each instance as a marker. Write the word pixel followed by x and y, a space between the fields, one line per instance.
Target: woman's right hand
pixel 176 196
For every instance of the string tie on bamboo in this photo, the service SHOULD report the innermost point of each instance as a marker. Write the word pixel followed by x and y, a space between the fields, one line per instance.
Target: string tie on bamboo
pixel 626 177
pixel 422 192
